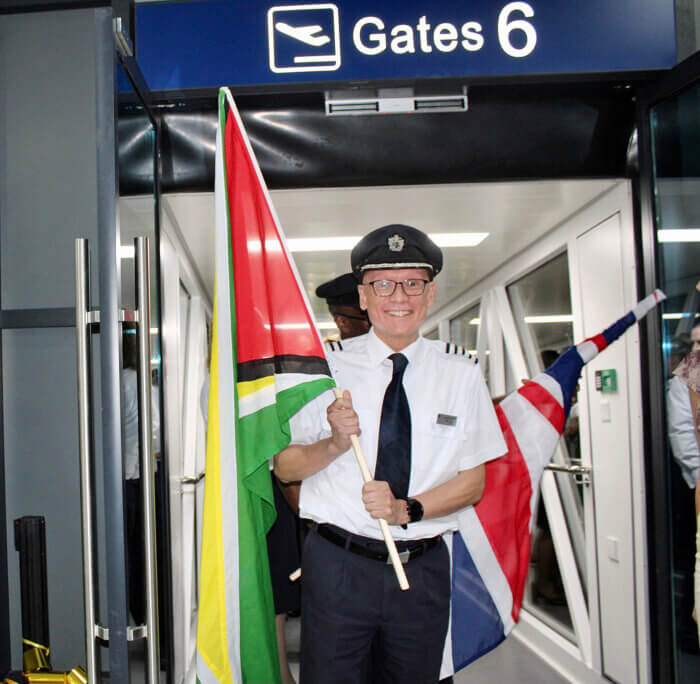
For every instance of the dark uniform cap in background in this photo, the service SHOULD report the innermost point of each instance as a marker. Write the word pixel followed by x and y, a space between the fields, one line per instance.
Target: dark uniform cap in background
pixel 395 246
pixel 341 291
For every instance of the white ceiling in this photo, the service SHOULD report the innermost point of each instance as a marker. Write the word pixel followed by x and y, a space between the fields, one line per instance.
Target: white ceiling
pixel 514 215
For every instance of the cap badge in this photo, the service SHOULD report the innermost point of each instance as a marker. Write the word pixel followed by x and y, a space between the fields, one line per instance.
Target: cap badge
pixel 396 243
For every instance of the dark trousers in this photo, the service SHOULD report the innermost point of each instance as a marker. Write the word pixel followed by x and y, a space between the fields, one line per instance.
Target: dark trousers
pixel 134 550
pixel 351 604
pixel 283 554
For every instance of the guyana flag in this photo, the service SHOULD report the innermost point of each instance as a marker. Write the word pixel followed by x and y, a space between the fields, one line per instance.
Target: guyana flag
pixel 267 361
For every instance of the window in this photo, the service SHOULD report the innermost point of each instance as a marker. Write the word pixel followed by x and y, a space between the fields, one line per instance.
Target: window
pixel 464 329
pixel 541 303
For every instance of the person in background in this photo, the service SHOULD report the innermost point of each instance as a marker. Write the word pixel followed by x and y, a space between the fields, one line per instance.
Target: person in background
pixel 344 305
pixel 284 558
pixel 683 423
pixel 134 506
pixel 681 429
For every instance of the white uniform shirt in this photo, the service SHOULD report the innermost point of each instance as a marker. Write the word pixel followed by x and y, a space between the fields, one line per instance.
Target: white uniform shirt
pixel 453 428
pixel 131 422
pixel 681 430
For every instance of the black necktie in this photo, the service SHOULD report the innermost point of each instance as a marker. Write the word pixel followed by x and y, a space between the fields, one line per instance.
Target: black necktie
pixel 394 449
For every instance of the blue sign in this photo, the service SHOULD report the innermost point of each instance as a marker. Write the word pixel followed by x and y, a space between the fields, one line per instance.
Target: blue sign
pixel 249 42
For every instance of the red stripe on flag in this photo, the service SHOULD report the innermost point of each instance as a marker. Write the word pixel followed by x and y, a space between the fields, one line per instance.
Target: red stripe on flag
pixel 504 512
pixel 599 341
pixel 545 403
pixel 271 314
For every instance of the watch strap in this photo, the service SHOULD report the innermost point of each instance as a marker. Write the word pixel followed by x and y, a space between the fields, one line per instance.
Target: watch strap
pixel 415 510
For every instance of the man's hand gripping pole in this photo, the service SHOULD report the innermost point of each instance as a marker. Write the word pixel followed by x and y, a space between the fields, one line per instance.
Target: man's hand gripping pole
pixel 388 539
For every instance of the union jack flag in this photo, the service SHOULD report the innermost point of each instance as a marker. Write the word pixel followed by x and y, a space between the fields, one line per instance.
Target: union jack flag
pixel 491 550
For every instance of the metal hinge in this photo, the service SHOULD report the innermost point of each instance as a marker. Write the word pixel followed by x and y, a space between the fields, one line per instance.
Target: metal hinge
pixel 102 632
pixel 137 632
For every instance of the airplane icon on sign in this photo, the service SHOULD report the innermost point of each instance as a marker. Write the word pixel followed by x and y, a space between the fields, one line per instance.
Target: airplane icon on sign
pixel 303 38
pixel 306 34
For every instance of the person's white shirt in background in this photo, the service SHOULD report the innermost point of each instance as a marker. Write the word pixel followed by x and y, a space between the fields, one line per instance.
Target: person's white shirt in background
pixel 131 422
pixel 681 430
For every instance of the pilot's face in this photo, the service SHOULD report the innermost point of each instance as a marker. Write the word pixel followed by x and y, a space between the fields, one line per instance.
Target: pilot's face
pixel 396 319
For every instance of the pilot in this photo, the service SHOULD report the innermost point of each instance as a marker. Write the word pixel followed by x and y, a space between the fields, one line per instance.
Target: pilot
pixel 344 305
pixel 426 424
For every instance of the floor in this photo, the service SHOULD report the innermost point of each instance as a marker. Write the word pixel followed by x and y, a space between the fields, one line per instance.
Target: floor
pixel 510 662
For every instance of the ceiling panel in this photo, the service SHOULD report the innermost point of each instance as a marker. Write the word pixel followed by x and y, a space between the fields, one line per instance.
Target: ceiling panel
pixel 514 215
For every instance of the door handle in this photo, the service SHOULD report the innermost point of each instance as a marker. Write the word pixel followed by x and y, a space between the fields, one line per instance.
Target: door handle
pixel 581 474
pixel 188 483
pixel 83 320
pixel 147 465
pixel 189 480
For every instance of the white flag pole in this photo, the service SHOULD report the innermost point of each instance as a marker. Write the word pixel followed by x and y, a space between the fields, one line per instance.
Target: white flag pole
pixel 388 539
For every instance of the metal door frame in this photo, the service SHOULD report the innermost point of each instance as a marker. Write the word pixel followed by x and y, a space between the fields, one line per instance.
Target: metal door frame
pixel 116 633
pixel 660 562
pixel 177 266
pixel 114 481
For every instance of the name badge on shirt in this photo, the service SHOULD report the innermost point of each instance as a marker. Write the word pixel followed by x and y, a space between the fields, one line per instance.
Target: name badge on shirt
pixel 444 419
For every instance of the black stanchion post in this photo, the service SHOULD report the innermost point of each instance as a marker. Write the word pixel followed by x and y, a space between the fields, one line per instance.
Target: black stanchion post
pixel 30 542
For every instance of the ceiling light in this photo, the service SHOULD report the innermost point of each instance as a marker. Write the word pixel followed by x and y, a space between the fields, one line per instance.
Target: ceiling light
pixel 678 316
pixel 322 244
pixel 458 239
pixel 678 235
pixel 559 318
pixel 330 244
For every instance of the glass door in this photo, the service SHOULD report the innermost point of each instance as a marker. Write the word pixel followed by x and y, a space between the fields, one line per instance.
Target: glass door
pixel 669 127
pixel 515 332
pixel 541 303
pixel 186 313
pixel 147 510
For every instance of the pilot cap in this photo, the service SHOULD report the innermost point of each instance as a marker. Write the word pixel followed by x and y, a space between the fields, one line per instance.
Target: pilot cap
pixel 341 291
pixel 395 246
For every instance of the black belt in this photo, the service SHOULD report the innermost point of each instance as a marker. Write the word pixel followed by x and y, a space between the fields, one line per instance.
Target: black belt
pixel 372 548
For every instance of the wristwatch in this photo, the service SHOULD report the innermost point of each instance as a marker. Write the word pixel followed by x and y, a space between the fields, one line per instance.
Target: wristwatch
pixel 415 510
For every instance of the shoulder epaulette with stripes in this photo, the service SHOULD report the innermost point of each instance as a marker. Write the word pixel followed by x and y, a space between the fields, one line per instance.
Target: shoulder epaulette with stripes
pixel 333 345
pixel 457 350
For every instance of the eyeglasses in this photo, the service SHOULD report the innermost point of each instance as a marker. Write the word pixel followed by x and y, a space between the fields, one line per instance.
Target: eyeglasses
pixel 411 286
